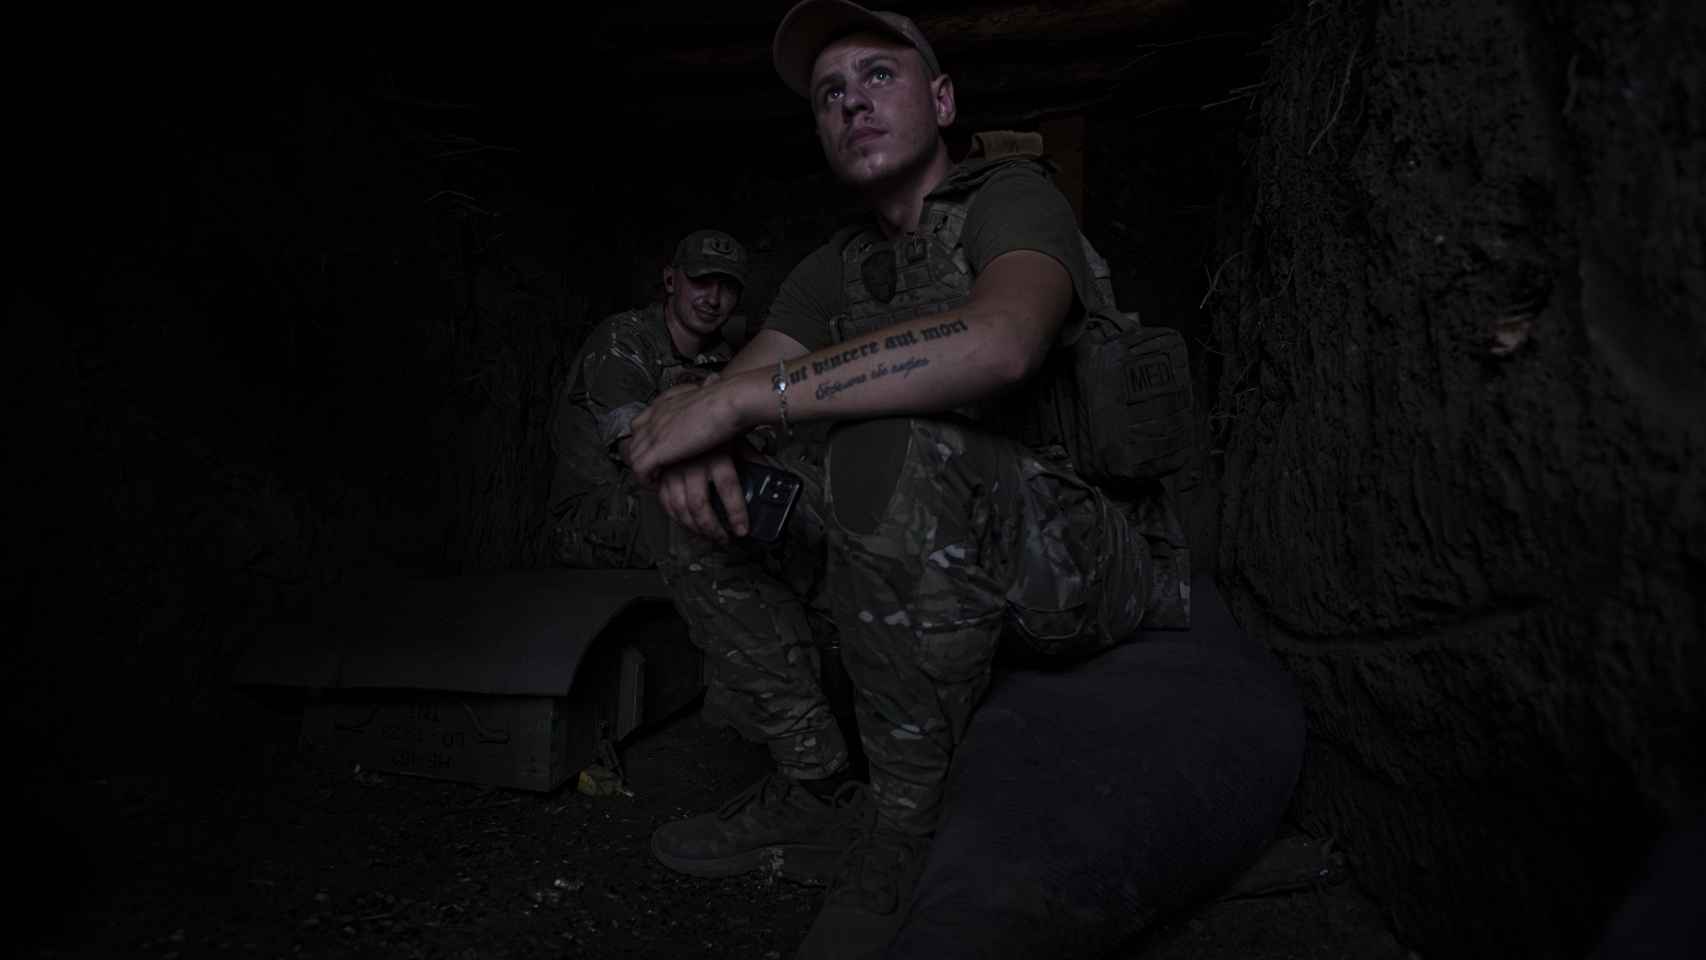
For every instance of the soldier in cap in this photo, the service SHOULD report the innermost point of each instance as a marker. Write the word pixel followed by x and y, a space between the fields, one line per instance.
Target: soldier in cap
pixel 950 519
pixel 599 516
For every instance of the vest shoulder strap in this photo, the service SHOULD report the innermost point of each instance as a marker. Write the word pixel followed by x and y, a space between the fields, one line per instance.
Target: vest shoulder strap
pixel 839 240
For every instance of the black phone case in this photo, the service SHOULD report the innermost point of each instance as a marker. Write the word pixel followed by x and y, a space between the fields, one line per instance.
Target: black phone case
pixel 770 495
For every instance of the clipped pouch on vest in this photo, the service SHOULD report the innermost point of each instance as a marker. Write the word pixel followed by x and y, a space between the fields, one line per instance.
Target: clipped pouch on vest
pixel 1134 399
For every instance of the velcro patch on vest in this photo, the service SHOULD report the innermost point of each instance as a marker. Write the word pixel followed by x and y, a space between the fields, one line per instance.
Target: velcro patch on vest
pixel 878 274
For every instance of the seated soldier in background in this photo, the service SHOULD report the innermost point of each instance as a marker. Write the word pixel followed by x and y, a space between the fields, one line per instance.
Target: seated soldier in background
pixel 598 514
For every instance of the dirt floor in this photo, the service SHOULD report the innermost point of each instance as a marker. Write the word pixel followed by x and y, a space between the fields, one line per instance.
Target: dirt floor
pixel 300 861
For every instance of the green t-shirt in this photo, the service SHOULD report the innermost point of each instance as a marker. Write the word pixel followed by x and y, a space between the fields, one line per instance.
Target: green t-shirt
pixel 1019 208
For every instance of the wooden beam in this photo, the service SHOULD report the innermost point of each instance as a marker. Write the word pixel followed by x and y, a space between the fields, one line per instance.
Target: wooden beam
pixel 972 79
pixel 1055 22
pixel 950 33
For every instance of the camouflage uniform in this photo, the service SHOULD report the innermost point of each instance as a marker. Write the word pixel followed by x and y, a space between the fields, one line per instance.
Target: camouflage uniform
pixel 931 541
pixel 600 516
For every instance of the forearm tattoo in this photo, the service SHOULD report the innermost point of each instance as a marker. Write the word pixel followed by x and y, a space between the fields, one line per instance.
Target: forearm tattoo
pixel 827 389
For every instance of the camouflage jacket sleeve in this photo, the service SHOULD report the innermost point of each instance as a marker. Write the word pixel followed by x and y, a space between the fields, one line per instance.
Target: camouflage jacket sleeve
pixel 609 383
pixel 618 377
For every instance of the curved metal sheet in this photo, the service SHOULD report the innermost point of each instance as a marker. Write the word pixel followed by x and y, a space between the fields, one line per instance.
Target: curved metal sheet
pixel 521 633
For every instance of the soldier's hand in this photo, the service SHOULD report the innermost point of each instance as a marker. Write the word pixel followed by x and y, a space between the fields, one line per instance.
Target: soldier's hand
pixel 684 489
pixel 622 447
pixel 680 424
pixel 682 388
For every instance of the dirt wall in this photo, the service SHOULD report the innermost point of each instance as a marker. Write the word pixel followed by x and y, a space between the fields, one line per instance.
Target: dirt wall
pixel 1462 414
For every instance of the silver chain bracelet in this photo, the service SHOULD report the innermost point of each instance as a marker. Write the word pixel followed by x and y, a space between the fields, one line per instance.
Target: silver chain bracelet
pixel 780 383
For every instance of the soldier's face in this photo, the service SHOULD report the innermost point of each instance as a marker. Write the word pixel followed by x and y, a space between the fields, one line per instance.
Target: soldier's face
pixel 701 304
pixel 878 111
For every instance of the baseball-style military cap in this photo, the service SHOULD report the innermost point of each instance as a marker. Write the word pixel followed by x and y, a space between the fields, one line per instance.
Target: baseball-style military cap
pixel 814 24
pixel 705 252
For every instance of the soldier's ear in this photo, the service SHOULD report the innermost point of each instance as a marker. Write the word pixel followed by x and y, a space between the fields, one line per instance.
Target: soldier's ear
pixel 668 279
pixel 943 99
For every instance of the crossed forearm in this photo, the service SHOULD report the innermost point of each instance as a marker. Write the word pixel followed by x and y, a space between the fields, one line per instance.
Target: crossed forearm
pixel 928 365
pixel 932 364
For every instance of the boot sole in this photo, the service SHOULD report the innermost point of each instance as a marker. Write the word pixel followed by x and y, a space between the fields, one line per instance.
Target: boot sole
pixel 801 863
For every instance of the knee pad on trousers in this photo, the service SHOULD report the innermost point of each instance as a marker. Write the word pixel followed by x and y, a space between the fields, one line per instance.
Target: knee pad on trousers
pixel 865 460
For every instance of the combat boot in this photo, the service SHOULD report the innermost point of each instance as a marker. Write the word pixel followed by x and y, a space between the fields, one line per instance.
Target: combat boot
pixel 774 825
pixel 868 900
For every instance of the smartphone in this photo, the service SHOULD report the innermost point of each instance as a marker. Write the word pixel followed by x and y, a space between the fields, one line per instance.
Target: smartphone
pixel 770 494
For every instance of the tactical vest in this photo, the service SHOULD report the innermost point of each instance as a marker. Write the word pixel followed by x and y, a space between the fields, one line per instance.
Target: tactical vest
pixel 1116 399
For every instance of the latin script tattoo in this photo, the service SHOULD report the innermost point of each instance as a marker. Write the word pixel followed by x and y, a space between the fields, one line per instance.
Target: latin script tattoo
pixel 827 389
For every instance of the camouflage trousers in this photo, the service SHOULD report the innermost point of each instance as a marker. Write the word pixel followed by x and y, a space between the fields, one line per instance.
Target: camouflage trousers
pixel 933 545
pixel 615 526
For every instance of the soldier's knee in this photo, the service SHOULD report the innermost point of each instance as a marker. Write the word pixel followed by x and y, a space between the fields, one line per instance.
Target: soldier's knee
pixel 865 460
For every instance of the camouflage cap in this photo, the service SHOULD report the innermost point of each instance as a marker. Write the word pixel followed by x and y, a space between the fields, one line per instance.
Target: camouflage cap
pixel 814 24
pixel 705 252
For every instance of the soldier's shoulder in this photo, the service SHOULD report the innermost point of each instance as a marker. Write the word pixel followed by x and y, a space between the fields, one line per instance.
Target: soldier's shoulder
pixel 1021 175
pixel 971 176
pixel 623 322
pixel 629 329
pixel 1017 189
